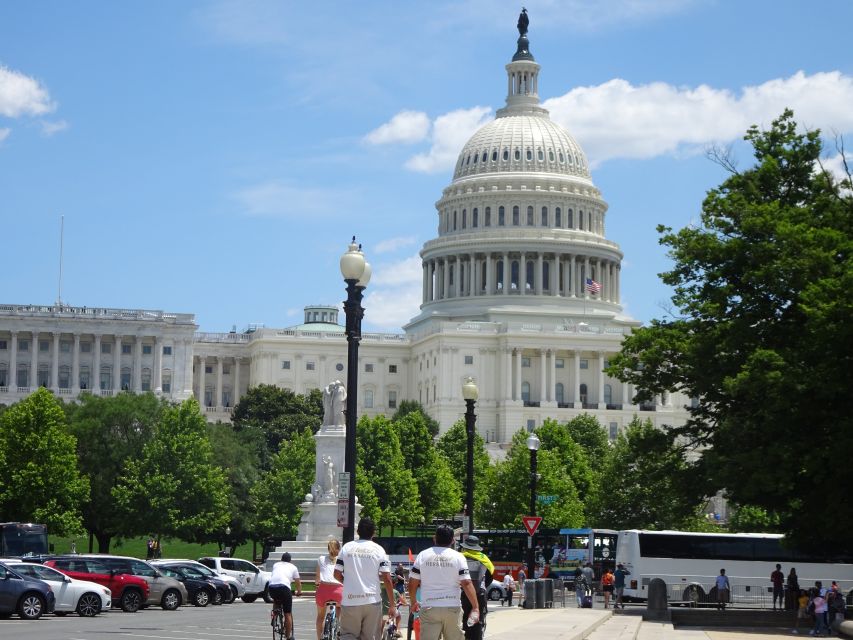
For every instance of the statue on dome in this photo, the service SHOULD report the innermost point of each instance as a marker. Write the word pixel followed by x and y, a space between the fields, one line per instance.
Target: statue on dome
pixel 523 21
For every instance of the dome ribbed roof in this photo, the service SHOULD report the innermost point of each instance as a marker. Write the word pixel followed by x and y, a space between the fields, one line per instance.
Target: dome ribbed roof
pixel 531 143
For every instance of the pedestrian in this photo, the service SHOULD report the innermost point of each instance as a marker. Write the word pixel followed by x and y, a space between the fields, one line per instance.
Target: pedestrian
pixel 607 587
pixel 509 587
pixel 818 604
pixel 149 553
pixel 802 609
pixel 836 604
pixel 284 575
pixel 777 578
pixel 522 576
pixel 589 574
pixel 440 571
pixel 363 567
pixel 793 591
pixel 723 588
pixel 399 578
pixel 619 585
pixel 481 569
pixel 580 586
pixel 328 588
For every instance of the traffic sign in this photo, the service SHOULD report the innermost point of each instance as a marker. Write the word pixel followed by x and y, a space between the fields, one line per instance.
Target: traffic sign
pixel 343 513
pixel 547 499
pixel 343 485
pixel 531 523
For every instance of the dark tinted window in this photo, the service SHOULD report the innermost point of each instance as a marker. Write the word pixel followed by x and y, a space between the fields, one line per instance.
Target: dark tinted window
pixel 208 562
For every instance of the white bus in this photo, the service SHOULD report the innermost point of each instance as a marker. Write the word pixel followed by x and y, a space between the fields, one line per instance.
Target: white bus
pixel 690 562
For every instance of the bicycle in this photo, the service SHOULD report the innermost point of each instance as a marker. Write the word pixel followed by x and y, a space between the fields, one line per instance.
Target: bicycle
pixel 277 622
pixel 332 622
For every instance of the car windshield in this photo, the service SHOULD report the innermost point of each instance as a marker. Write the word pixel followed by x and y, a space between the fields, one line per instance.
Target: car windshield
pixel 208 573
pixel 40 571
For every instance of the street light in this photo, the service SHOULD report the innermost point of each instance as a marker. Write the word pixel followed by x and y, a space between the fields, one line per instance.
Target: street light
pixel 356 273
pixel 470 393
pixel 533 444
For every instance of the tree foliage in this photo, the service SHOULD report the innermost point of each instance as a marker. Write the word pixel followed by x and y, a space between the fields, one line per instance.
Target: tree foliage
pixel 38 466
pixel 572 457
pixel 410 406
pixel 453 447
pixel 175 489
pixel 764 291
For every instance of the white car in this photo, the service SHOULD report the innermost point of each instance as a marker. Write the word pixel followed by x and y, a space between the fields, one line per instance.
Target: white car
pixel 84 597
pixel 238 588
pixel 254 580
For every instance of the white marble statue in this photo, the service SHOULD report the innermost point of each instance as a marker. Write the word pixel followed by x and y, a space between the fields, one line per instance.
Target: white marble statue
pixel 334 403
pixel 330 475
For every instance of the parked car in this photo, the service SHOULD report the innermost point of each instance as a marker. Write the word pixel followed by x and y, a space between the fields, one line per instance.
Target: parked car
pixel 255 580
pixel 23 595
pixel 83 596
pixel 165 592
pixel 202 591
pixel 237 587
pixel 496 591
pixel 128 592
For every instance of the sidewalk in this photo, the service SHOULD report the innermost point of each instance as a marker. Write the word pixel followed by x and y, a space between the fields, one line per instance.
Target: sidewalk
pixel 512 623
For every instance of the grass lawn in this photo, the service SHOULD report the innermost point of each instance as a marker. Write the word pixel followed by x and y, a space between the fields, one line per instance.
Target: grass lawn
pixel 136 547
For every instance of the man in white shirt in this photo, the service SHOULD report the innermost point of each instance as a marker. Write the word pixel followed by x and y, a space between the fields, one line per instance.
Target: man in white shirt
pixel 284 574
pixel 439 572
pixel 361 565
pixel 509 587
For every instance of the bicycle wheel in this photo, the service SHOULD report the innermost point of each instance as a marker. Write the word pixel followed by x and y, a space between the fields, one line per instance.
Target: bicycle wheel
pixel 278 624
pixel 331 624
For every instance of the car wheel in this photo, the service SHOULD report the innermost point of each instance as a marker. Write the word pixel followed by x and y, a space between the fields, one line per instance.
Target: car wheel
pixel 495 594
pixel 229 595
pixel 89 605
pixel 171 600
pixel 131 600
pixel 693 595
pixel 250 597
pixel 266 594
pixel 201 598
pixel 234 593
pixel 217 596
pixel 31 606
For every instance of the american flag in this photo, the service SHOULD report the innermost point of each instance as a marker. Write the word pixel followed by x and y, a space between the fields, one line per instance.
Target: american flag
pixel 592 286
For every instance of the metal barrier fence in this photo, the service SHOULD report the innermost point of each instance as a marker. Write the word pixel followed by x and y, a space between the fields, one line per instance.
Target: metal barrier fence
pixel 758 596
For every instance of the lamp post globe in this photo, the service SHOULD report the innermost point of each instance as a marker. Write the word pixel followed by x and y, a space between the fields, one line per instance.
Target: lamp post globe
pixel 356 272
pixel 470 393
pixel 533 444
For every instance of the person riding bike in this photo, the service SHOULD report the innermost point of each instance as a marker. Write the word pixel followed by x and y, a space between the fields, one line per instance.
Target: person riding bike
pixel 284 574
pixel 481 570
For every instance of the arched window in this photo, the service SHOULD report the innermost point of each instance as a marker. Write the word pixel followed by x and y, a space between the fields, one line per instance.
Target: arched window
pixel 166 383
pixel 515 215
pixel 475 215
pixel 125 380
pixel 580 220
pixel 518 154
pixel 506 154
pixel 495 155
pixel 501 217
pixel 450 278
pixel 570 223
pixel 84 378
pixel 43 376
pixel 514 275
pixel 146 379
pixel 454 220
pixel 528 275
pixel 546 276
pixel 368 398
pixel 525 391
pixel 500 274
pixel 530 216
pixel 544 216
pixel 464 218
pixel 483 275
pixel 583 393
pixel 106 378
pixel 529 154
pixel 560 393
pixel 488 217
pixel 540 155
pixel 608 394
pixel 485 155
pixel 558 217
pixel 475 158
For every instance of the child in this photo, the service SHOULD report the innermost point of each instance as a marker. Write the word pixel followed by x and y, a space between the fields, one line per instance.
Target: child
pixel 401 602
pixel 802 604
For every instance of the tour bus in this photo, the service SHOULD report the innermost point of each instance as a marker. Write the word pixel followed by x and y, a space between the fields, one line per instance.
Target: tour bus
pixel 689 563
pixel 579 546
pixel 22 539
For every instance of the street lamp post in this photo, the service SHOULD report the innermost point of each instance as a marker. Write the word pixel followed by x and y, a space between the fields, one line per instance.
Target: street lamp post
pixel 356 273
pixel 532 444
pixel 470 393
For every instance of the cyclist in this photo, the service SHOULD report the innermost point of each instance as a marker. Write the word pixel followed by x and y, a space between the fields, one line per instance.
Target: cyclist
pixel 284 574
pixel 328 587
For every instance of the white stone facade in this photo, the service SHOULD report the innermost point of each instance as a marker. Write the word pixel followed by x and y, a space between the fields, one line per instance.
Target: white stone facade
pixel 521 290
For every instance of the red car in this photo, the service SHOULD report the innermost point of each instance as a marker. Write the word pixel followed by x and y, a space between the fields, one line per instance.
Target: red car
pixel 129 592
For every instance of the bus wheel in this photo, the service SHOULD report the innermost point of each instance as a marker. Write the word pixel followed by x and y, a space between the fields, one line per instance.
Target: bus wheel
pixel 693 595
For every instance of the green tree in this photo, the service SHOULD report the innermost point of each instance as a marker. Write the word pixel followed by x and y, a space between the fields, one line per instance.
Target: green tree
pixel 589 433
pixel 453 446
pixel 572 457
pixel 379 454
pixel 410 406
pixel 110 431
pixel 38 465
pixel 509 489
pixel 440 493
pixel 174 489
pixel 282 489
pixel 648 483
pixel 763 291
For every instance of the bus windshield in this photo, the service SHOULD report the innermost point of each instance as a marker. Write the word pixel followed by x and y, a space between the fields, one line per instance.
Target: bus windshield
pixel 22 539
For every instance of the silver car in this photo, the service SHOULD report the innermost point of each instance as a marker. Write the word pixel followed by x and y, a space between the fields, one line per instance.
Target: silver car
pixel 165 592
pixel 238 588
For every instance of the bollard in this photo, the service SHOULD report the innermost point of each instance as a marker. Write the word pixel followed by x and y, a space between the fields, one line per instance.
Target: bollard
pixel 540 593
pixel 548 600
pixel 529 593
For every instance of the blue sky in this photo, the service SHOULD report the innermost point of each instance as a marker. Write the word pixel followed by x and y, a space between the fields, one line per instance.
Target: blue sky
pixel 215 157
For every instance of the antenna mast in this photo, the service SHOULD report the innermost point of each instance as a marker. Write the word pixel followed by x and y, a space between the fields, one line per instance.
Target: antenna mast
pixel 61 239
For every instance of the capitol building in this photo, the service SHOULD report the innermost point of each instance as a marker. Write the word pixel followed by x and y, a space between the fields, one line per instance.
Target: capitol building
pixel 521 291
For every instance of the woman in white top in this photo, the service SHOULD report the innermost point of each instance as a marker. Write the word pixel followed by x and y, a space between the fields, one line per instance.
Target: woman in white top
pixel 328 587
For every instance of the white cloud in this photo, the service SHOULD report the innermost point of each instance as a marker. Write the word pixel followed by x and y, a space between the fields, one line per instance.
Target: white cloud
pixel 835 165
pixel 393 244
pixel 278 199
pixel 49 128
pixel 405 127
pixel 21 95
pixel 394 294
pixel 619 120
pixel 4 133
pixel 449 133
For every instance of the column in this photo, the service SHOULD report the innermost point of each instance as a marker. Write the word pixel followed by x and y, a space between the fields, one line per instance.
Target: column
pixel 75 365
pixel 626 395
pixel 552 383
pixel 601 403
pixel 445 288
pixel 187 378
pixel 472 272
pixel 555 275
pixel 424 288
pixel 537 277
pixel 217 401
pixel 490 275
pixel 543 396
pixel 117 364
pixel 572 279
pixel 506 273
pixel 618 282
pixel 158 365
pixel 508 374
pixel 34 361
pixel 13 363
pixel 201 372
pixel 137 365
pixel 459 290
pixel 54 369
pixel 517 395
pixel 522 273
pixel 577 380
pixel 235 394
pixel 586 276
pixel 95 378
